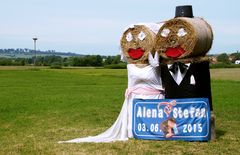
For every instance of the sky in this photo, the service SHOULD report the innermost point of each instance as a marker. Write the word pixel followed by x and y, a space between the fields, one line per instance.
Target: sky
pixel 95 26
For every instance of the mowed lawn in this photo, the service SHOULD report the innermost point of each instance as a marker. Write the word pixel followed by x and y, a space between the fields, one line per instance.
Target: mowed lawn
pixel 39 107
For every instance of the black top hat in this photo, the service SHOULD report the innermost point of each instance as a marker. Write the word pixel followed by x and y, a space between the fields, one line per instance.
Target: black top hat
pixel 184 11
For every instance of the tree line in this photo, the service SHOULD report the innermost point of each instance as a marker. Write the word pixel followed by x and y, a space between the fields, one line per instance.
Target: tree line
pixel 228 59
pixel 225 60
pixel 222 60
pixel 53 60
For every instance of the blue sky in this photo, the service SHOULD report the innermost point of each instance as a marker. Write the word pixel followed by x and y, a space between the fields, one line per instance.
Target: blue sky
pixel 95 26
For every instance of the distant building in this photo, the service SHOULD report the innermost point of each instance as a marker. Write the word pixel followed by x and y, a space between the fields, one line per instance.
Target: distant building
pixel 237 62
pixel 213 59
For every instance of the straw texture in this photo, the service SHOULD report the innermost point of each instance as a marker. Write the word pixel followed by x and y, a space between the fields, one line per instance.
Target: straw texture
pixel 146 44
pixel 196 42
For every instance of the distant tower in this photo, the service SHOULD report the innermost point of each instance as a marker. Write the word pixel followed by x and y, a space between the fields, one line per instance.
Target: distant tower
pixel 35 50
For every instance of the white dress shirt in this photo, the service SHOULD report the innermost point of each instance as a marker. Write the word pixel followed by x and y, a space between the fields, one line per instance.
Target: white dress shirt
pixel 178 77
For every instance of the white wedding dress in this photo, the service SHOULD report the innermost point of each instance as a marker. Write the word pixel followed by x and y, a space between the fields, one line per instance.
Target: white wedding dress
pixel 143 83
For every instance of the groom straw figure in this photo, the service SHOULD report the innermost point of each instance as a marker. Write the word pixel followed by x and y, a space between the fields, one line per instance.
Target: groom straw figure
pixel 183 43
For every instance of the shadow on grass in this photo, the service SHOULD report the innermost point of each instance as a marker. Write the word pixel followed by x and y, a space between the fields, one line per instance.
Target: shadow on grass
pixel 220 133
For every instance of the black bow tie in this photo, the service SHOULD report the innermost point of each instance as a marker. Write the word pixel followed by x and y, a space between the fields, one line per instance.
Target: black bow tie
pixel 174 67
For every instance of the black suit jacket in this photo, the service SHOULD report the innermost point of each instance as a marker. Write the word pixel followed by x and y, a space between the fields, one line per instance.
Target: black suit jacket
pixel 202 87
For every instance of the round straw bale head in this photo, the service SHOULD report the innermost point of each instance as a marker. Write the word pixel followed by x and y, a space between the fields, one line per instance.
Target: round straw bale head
pixel 184 37
pixel 136 43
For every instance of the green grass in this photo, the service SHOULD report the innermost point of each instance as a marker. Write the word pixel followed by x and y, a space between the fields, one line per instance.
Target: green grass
pixel 39 107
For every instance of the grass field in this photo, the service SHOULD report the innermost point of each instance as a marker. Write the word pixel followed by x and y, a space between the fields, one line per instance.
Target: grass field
pixel 40 106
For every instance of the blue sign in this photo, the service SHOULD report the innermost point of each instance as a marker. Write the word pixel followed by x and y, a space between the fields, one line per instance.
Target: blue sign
pixel 171 119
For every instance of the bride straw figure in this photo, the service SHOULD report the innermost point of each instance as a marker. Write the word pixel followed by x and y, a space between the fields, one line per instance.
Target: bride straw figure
pixel 144 80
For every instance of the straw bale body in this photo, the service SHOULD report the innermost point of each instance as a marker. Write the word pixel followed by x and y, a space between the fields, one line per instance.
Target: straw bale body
pixel 193 36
